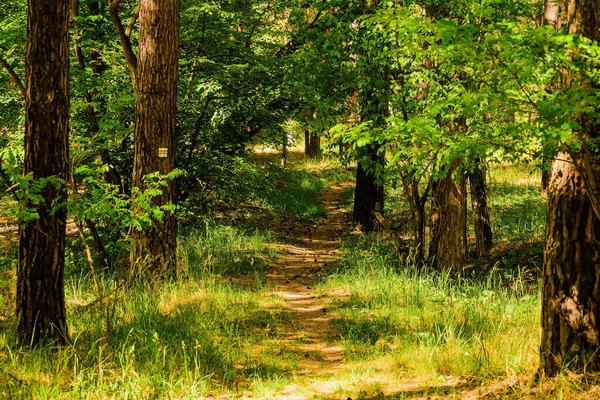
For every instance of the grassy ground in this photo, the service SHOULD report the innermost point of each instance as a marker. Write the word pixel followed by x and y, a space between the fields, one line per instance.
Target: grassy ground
pixel 406 332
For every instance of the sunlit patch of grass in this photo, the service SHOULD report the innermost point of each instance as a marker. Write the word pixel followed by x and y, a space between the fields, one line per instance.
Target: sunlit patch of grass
pixel 429 322
pixel 517 208
pixel 220 249
pixel 185 339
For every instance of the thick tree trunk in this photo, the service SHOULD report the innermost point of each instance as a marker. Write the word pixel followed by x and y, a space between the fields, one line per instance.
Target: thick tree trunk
pixel 40 271
pixel 571 280
pixel 447 248
pixel 571 289
pixel 367 192
pixel 153 249
pixel 481 214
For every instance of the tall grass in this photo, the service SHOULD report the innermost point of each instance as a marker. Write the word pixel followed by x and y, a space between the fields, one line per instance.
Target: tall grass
pixel 202 334
pixel 430 323
pixel 517 209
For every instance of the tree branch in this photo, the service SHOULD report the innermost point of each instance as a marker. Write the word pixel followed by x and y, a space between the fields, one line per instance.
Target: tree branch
pixel 123 38
pixel 133 20
pixel 14 76
pixel 292 46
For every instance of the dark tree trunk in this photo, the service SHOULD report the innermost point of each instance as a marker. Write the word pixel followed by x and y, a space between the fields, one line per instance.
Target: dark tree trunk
pixel 284 150
pixel 312 144
pixel 40 271
pixel 368 192
pixel 481 215
pixel 153 249
pixel 417 215
pixel 545 182
pixel 447 248
pixel 571 279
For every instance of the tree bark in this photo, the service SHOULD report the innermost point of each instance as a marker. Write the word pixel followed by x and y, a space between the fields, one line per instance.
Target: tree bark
pixel 40 271
pixel 447 248
pixel 153 249
pixel 368 192
pixel 571 279
pixel 481 214
pixel 312 144
pixel 417 204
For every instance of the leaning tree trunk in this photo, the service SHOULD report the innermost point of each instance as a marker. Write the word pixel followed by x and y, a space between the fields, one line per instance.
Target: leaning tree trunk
pixel 40 271
pixel 571 279
pixel 481 214
pixel 447 248
pixel 153 249
pixel 368 191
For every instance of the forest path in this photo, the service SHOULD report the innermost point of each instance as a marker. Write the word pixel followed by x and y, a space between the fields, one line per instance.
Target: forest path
pixel 305 251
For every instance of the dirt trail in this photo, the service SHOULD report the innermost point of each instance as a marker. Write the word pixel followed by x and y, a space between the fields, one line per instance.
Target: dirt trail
pixel 305 252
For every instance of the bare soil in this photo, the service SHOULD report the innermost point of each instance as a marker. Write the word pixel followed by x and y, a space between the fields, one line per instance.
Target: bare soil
pixel 305 252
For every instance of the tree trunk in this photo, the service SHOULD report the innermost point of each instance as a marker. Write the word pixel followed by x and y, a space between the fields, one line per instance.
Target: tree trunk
pixel 417 215
pixel 40 271
pixel 447 248
pixel 312 144
pixel 481 215
pixel 545 181
pixel 367 192
pixel 571 279
pixel 153 249
pixel 284 150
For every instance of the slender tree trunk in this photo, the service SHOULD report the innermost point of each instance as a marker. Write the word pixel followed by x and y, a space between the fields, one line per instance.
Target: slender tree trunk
pixel 447 246
pixel 40 271
pixel 284 150
pixel 481 215
pixel 312 144
pixel 417 211
pixel 367 192
pixel 153 249
pixel 571 279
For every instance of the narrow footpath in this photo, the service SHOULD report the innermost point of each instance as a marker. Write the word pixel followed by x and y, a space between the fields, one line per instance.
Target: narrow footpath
pixel 305 251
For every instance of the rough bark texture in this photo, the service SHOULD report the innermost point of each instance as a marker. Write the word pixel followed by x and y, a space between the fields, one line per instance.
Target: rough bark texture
pixel 153 249
pixel 481 214
pixel 447 248
pixel 571 280
pixel 367 192
pixel 40 271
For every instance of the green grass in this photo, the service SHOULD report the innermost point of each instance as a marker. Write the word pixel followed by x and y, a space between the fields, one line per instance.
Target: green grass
pixel 517 209
pixel 220 330
pixel 430 323
pixel 202 334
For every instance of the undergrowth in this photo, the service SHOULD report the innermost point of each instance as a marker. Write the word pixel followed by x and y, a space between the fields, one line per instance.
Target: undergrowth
pixel 429 322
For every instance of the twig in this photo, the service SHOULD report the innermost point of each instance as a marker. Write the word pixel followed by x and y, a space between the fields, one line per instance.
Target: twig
pixel 133 20
pixel 14 76
pixel 100 299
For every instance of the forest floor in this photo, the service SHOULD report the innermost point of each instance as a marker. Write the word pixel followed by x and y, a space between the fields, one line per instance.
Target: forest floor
pixel 306 253
pixel 279 298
